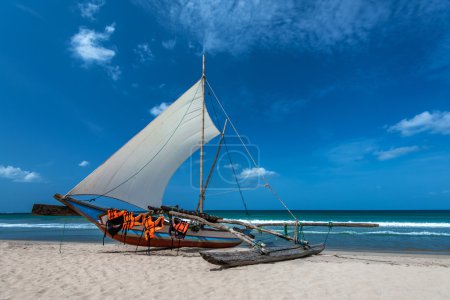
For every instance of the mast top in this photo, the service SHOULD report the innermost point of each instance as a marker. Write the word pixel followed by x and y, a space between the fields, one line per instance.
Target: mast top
pixel 203 65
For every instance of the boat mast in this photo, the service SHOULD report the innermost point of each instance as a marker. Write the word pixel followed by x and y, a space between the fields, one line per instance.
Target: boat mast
pixel 203 135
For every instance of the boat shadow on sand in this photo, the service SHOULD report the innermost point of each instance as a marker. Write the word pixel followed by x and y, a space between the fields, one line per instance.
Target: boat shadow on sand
pixel 223 258
pixel 158 251
pixel 182 252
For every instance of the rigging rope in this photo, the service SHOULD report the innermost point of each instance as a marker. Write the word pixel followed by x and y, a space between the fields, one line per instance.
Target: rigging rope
pixel 229 157
pixel 267 185
pixel 236 178
pixel 62 235
pixel 330 226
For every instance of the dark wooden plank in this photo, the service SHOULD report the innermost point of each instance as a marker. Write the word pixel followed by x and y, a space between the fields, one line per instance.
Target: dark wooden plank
pixel 52 210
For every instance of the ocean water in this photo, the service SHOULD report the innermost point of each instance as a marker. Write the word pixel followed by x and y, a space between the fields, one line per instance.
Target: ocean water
pixel 399 231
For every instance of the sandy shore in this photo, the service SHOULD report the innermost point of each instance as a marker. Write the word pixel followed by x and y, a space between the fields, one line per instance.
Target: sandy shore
pixel 36 270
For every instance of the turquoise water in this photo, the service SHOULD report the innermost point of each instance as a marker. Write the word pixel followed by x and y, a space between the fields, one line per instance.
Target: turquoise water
pixel 403 231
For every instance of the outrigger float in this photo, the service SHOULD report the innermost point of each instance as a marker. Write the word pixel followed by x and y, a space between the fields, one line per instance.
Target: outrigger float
pixel 138 173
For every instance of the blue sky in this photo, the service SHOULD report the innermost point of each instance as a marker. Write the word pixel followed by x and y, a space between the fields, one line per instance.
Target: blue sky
pixel 346 103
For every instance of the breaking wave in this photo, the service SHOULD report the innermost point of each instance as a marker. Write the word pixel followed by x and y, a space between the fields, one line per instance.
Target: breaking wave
pixel 49 225
pixel 383 233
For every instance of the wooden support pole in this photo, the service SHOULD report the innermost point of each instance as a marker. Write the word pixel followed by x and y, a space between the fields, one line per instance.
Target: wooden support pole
pixel 248 225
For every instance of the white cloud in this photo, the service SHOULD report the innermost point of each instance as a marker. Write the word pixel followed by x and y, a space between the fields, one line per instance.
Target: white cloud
pixel 89 9
pixel 436 122
pixel 156 110
pixel 144 52
pixel 19 175
pixel 169 44
pixel 395 152
pixel 249 173
pixel 87 45
pixel 84 163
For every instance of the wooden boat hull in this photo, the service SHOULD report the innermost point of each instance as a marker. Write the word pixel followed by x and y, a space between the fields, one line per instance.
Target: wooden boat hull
pixel 204 238
pixel 237 258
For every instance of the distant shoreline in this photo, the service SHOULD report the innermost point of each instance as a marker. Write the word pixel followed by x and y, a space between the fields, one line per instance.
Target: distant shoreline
pixel 293 210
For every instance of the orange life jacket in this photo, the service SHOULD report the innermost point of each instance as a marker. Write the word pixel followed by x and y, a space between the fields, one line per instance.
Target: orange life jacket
pixel 115 222
pixel 151 227
pixel 178 228
pixel 130 221
pixel 114 213
pixel 182 227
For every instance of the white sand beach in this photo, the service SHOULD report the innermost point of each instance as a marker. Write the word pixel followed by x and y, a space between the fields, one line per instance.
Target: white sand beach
pixel 37 270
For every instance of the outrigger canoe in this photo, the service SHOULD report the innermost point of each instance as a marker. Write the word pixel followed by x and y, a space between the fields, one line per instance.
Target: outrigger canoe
pixel 204 238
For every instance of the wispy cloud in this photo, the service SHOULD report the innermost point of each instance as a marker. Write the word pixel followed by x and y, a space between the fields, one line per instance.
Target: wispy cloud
pixel 323 25
pixel 143 52
pixel 29 11
pixel 283 107
pixel 169 44
pixel 279 108
pixel 114 72
pixel 83 164
pixel 352 152
pixel 232 166
pixel 156 110
pixel 89 9
pixel 436 122
pixel 250 173
pixel 364 150
pixel 440 193
pixel 395 152
pixel 93 127
pixel 87 45
pixel 19 175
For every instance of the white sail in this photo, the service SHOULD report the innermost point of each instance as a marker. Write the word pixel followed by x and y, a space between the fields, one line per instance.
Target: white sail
pixel 139 172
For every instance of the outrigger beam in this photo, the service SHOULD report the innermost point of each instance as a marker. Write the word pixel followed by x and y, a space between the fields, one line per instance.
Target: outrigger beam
pixel 167 209
pixel 251 226
pixel 322 224
pixel 243 237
